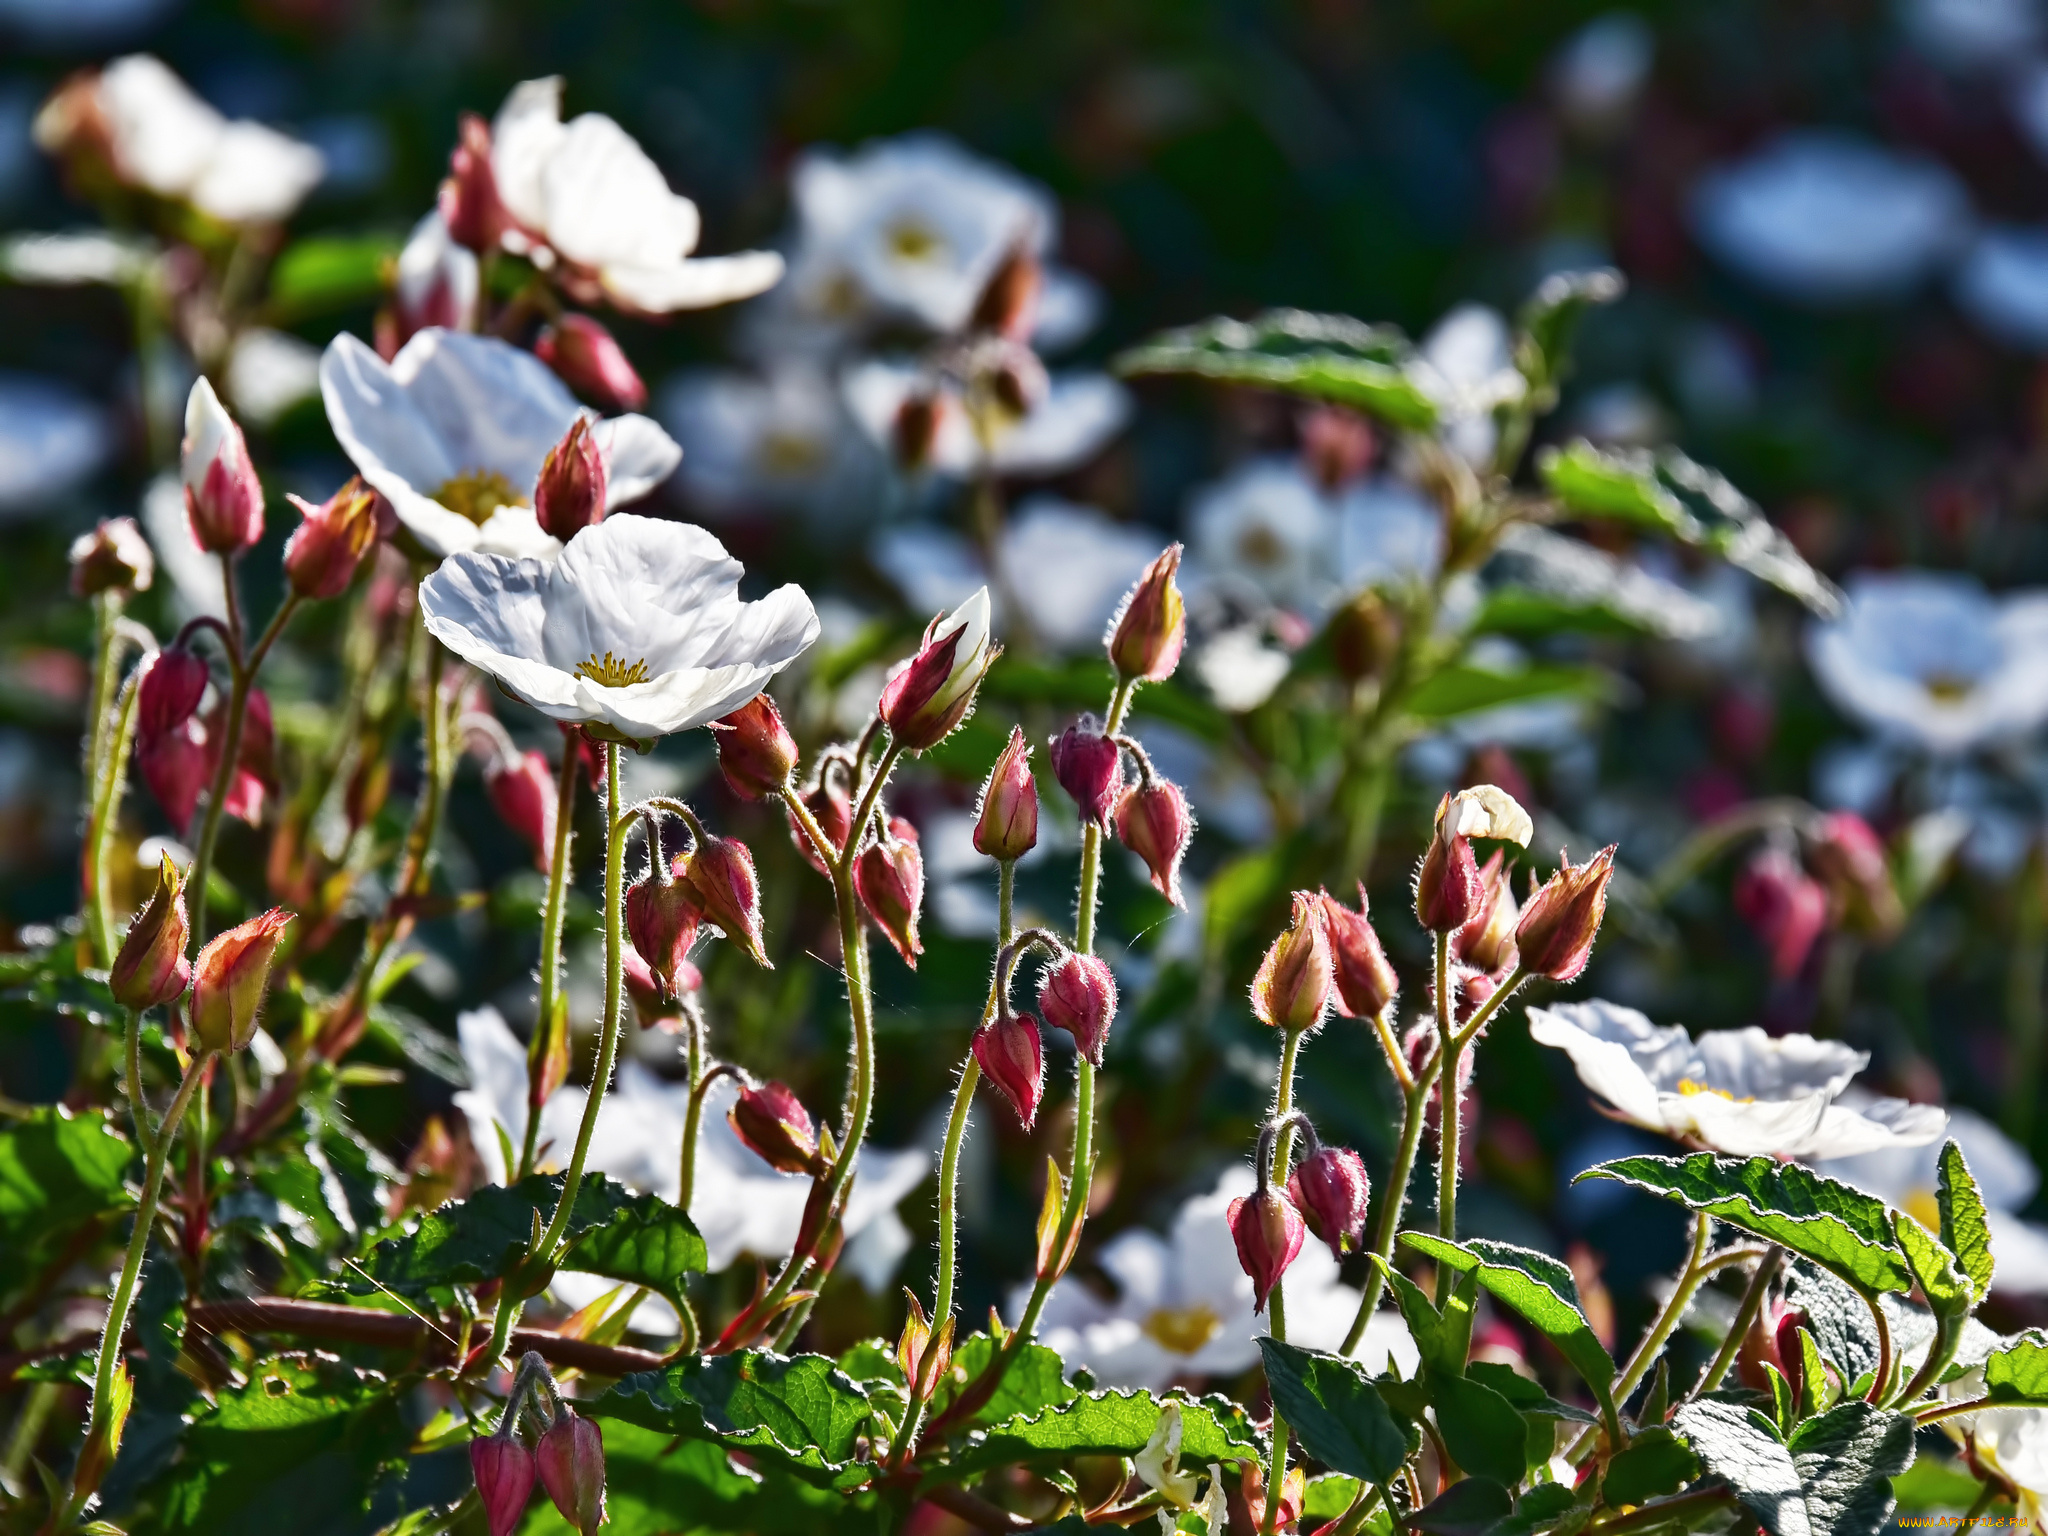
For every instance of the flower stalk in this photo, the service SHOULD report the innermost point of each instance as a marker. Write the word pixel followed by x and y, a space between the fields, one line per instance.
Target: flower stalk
pixel 1276 1304
pixel 552 910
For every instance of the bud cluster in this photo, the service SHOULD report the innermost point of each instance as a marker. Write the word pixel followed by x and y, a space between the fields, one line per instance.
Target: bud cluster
pixel 566 1456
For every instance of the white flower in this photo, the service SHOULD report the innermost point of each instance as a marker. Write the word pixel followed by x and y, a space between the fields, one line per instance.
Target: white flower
pixel 1266 528
pixel 1467 367
pixel 638 628
pixel 1240 669
pixel 1931 660
pixel 1387 530
pixel 1074 421
pixel 1905 1178
pixel 1828 218
pixel 76 256
pixel 1973 34
pixel 2003 284
pixel 1185 1304
pixel 587 194
pixel 438 280
pixel 1737 1091
pixel 52 439
pixel 1598 73
pixel 782 439
pixel 2015 1441
pixel 269 372
pixel 166 140
pixel 453 430
pixel 1486 810
pixel 80 24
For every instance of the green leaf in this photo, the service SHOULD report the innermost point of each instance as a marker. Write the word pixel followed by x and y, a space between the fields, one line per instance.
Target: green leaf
pixel 1035 1379
pixel 1965 1228
pixel 1331 1406
pixel 1541 1289
pixel 1464 690
pixel 1107 1424
pixel 1783 1409
pixel 1326 357
pixel 1656 1462
pixel 1550 319
pixel 1931 1484
pixel 1840 1228
pixel 57 1170
pixel 1744 1448
pixel 1847 1458
pixel 801 1409
pixel 1813 1376
pixel 307 1436
pixel 1547 1505
pixel 328 272
pixel 2018 1372
pixel 1947 1289
pixel 1839 1318
pixel 1529 1398
pixel 649 1242
pixel 1611 486
pixel 1481 1429
pixel 1327 1496
pixel 1467 1508
pixel 1541 583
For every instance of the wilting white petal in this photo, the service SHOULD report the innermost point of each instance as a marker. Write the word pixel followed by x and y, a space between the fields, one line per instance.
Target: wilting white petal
pixel 1486 810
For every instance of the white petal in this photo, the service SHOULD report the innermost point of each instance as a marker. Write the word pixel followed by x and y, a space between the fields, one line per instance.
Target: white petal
pixel 1765 1128
pixel 163 135
pixel 662 288
pixel 2019 1250
pixel 1079 415
pixel 524 136
pixel 489 610
pixel 1747 1063
pixel 638 456
pixel 493 406
pixel 432 262
pixel 269 372
pixel 1879 1124
pixel 1486 810
pixel 383 432
pixel 604 201
pixel 256 175
pixel 1610 1048
pixel 516 533
pixel 208 427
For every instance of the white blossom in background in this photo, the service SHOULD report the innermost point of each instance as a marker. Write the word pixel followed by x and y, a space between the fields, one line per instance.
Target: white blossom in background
pixel 1466 365
pixel 77 24
pixel 1072 423
pixel 52 440
pixel 1387 530
pixel 75 257
pixel 1931 660
pixel 196 578
pixel 269 372
pixel 1184 1304
pixel 1738 1091
pixel 1826 218
pixel 438 280
pixel 1596 76
pixel 453 431
pixel 2015 1441
pixel 2003 285
pixel 1970 35
pixel 586 195
pixel 783 440
pixel 1265 530
pixel 159 136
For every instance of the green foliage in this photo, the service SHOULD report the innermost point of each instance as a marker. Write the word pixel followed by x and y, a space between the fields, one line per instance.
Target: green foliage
pixel 1464 690
pixel 1839 1318
pixel 1550 320
pixel 1947 1289
pixel 1330 1404
pixel 1965 1227
pixel 57 1171
pixel 1467 1508
pixel 1656 1462
pixel 1831 1478
pixel 328 272
pixel 1326 357
pixel 1106 1424
pixel 2018 1372
pixel 1036 1379
pixel 1482 1430
pixel 1838 1227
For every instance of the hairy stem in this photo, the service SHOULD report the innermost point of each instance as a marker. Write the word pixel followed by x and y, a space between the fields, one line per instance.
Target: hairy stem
pixel 551 936
pixel 106 815
pixel 1276 1303
pixel 1450 1114
pixel 1393 1197
pixel 1745 1314
pixel 98 770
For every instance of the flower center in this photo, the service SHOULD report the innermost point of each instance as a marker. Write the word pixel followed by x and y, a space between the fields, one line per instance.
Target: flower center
pixel 1923 1208
pixel 788 453
pixel 1948 688
pixel 1690 1086
pixel 612 672
pixel 477 493
pixel 1259 546
pixel 913 241
pixel 1184 1330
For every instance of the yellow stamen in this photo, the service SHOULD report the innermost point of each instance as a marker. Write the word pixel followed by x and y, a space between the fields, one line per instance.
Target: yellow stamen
pixel 789 453
pixel 1689 1086
pixel 612 672
pixel 477 493
pixel 1922 1206
pixel 915 242
pixel 1949 688
pixel 1184 1330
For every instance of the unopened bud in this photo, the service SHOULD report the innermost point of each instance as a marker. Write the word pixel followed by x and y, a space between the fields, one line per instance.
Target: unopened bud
pixel 1089 767
pixel 321 556
pixel 590 361
pixel 773 1122
pixel 662 917
pixel 223 497
pixel 522 791
pixel 173 682
pixel 114 557
pixel 570 1458
pixel 1006 825
pixel 1008 304
pixel 151 967
pixel 654 1007
pixel 756 753
pixel 177 768
pixel 915 431
pixel 1292 1500
pixel 1268 1232
pixel 1487 941
pixel 1019 382
pixel 889 877
pixel 570 494
pixel 1366 982
pixel 1012 1057
pixel 1786 907
pixel 832 809
pixel 1077 993
pixel 1849 858
pixel 1149 630
pixel 1336 446
pixel 1293 985
pixel 924 1354
pixel 1154 822
pixel 469 201
pixel 230 978
pixel 504 1470
pixel 931 693
pixel 1364 635
pixel 1558 927
pixel 1330 1188
pixel 720 874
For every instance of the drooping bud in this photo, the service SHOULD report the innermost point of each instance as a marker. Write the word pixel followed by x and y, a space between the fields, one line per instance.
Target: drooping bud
pixel 570 494
pixel 773 1122
pixel 1154 822
pixel 1077 993
pixel 1447 888
pixel 176 767
pixel 230 978
pixel 570 1459
pixel 522 791
pixel 321 556
pixel 470 206
pixel 915 431
pixel 1149 630
pixel 1018 381
pixel 1268 1231
pixel 1292 988
pixel 114 557
pixel 504 1470
pixel 1009 301
pixel 889 877
pixel 1849 858
pixel 1487 941
pixel 662 917
pixel 1013 1058
pixel 1330 1188
pixel 1090 768
pixel 255 767
pixel 831 807
pixel 932 692
pixel 1558 927
pixel 1786 907
pixel 223 497
pixel 653 1007
pixel 151 967
pixel 173 683
pixel 720 874
pixel 1364 635
pixel 1366 983
pixel 589 359
pixel 1006 825
pixel 756 753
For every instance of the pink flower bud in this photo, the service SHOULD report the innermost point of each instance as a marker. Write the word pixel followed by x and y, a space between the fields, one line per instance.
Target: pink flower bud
pixel 1337 446
pixel 1010 1053
pixel 321 556
pixel 1146 636
pixel 1153 821
pixel 1366 983
pixel 1557 928
pixel 1447 889
pixel 504 1470
pixel 832 809
pixel 1008 304
pixel 255 771
pixel 469 201
pixel 889 876
pixel 756 753
pixel 114 557
pixel 1487 941
pixel 223 497
pixel 1078 994
pixel 230 978
pixel 1006 825
pixel 438 282
pixel 774 1124
pixel 176 767
pixel 1293 1497
pixel 570 1458
pixel 1784 905
pixel 1268 1232
pixel 1293 986
pixel 590 361
pixel 720 874
pixel 932 692
pixel 1090 768
pixel 151 967
pixel 522 791
pixel 569 496
pixel 1849 857
pixel 662 917
pixel 173 683
pixel 1330 1188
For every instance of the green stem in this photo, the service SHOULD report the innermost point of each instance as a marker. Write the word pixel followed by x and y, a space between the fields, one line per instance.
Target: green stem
pixel 98 770
pixel 2023 1010
pixel 1745 1314
pixel 551 938
pixel 1449 1115
pixel 1276 1303
pixel 1986 1497
pixel 1393 1197
pixel 106 816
